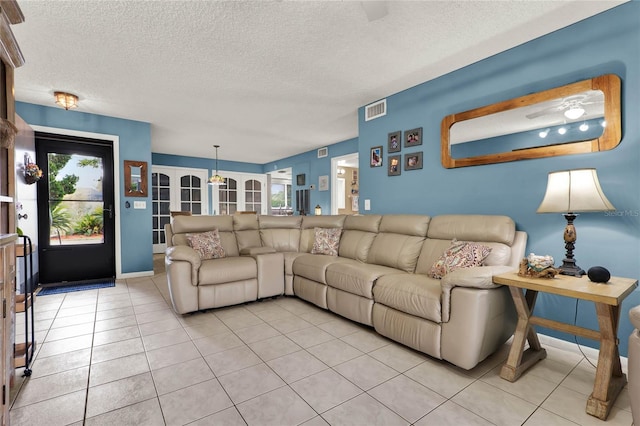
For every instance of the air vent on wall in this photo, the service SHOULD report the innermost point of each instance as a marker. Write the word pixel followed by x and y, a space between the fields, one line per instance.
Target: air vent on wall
pixel 375 110
pixel 323 152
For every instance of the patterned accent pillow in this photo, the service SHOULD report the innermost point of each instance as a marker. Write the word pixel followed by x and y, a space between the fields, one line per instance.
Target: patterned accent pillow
pixel 327 241
pixel 207 244
pixel 460 254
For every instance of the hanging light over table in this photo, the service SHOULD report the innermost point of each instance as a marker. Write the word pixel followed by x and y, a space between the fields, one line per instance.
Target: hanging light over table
pixel 216 179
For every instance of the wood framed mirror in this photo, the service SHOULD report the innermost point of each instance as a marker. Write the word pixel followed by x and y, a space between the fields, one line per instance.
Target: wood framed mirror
pixel 576 118
pixel 135 178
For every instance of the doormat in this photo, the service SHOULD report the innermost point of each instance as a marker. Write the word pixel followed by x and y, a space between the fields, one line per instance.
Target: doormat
pixel 45 291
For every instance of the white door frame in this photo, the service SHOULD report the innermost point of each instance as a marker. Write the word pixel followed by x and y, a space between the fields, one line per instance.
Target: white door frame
pixel 335 162
pixel 115 139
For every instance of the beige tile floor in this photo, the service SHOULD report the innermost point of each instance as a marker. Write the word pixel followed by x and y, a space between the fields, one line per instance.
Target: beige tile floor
pixel 120 356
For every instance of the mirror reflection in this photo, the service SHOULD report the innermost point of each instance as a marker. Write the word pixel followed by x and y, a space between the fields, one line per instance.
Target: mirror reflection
pixel 578 117
pixel 136 179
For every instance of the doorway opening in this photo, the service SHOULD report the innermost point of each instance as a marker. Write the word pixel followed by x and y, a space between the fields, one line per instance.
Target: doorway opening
pixel 280 192
pixel 345 184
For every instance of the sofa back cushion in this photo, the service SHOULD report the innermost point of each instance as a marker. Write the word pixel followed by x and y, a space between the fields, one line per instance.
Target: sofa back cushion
pixel 497 232
pixel 183 225
pixel 399 241
pixel 280 232
pixel 357 236
pixel 309 223
pixel 247 230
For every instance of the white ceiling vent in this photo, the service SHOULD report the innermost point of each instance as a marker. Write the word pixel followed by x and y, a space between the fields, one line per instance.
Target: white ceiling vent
pixel 323 152
pixel 375 110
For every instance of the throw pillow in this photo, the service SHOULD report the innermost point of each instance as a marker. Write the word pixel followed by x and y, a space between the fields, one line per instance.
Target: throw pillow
pixel 459 255
pixel 327 241
pixel 207 244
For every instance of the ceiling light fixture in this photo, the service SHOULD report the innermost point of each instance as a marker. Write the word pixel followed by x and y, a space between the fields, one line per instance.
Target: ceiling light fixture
pixel 562 130
pixel 584 127
pixel 66 100
pixel 574 112
pixel 216 179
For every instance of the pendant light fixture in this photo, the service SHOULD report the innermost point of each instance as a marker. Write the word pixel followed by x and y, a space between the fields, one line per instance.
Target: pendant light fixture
pixel 216 179
pixel 66 100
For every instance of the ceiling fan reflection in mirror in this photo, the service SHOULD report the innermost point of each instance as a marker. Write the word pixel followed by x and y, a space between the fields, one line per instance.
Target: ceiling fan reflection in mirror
pixel 589 103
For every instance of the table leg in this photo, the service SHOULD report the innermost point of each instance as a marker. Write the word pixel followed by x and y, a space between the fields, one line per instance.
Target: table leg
pixel 609 377
pixel 520 360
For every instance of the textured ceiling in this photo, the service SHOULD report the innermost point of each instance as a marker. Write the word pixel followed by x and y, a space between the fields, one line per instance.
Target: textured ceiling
pixel 263 79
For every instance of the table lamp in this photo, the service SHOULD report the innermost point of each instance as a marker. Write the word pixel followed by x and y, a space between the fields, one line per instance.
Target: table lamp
pixel 570 192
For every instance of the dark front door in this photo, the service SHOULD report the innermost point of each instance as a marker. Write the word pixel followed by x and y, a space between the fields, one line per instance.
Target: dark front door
pixel 76 226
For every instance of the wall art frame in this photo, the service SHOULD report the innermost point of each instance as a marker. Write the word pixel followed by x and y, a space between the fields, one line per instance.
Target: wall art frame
pixel 395 165
pixel 413 137
pixel 413 161
pixel 375 157
pixel 394 142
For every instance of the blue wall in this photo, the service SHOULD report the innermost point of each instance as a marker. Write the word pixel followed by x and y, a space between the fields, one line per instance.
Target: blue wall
pixel 313 167
pixel 606 43
pixel 135 144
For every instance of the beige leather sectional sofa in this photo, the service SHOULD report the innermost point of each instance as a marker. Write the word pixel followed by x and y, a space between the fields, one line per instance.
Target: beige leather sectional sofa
pixel 379 278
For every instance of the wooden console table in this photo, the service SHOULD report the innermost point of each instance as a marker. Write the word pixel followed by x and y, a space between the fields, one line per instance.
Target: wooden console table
pixel 608 297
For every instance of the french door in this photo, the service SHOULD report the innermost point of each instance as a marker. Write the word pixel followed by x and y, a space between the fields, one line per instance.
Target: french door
pixel 176 189
pixel 76 225
pixel 241 192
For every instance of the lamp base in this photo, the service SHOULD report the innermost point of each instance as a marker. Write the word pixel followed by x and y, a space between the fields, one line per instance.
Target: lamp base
pixel 569 267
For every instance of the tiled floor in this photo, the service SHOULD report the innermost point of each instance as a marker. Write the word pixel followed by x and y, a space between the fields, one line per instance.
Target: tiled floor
pixel 120 356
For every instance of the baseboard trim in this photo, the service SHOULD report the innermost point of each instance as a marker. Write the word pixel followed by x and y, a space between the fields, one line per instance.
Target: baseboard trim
pixel 135 275
pixel 573 347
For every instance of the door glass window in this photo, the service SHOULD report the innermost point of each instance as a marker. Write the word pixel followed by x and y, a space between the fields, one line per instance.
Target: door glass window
pixel 229 197
pixel 253 195
pixel 160 191
pixel 76 202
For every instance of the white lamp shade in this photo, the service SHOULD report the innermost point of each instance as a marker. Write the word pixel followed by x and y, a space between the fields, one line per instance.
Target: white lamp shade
pixel 573 191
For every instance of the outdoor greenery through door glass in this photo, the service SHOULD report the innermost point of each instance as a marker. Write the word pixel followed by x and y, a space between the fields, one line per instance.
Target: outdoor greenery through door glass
pixel 75 199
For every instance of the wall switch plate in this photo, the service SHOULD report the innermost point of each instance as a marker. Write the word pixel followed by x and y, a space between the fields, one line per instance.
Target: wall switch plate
pixel 367 204
pixel 139 204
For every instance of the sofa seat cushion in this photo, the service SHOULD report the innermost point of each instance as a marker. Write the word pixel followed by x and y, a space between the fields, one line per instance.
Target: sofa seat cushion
pixel 314 266
pixel 357 277
pixel 413 294
pixel 227 270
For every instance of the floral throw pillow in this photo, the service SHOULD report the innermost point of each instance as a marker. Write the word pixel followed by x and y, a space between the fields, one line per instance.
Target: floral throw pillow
pixel 460 254
pixel 207 244
pixel 327 241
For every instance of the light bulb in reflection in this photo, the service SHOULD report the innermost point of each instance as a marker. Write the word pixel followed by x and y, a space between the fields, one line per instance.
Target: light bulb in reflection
pixel 543 134
pixel 584 127
pixel 562 130
pixel 603 123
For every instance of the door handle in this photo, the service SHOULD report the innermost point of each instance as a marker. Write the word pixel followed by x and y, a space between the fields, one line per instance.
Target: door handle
pixel 110 210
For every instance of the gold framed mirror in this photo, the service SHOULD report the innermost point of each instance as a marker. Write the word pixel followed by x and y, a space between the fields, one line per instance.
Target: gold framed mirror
pixel 576 118
pixel 135 178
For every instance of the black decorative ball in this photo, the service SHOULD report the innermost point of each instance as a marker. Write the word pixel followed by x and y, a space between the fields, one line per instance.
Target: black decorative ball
pixel 598 274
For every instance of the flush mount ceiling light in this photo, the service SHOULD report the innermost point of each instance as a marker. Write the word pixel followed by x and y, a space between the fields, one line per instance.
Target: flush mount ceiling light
pixel 66 100
pixel 216 179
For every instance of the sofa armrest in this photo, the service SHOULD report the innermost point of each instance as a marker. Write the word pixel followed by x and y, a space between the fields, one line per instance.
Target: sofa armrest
pixel 634 316
pixel 184 254
pixel 253 251
pixel 480 277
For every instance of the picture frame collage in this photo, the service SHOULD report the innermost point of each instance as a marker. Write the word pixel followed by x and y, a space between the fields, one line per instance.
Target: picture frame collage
pixel 395 142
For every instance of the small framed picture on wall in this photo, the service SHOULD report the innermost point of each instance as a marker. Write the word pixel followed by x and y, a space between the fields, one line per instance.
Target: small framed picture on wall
pixel 413 137
pixel 375 159
pixel 413 161
pixel 394 143
pixel 395 167
pixel 300 179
